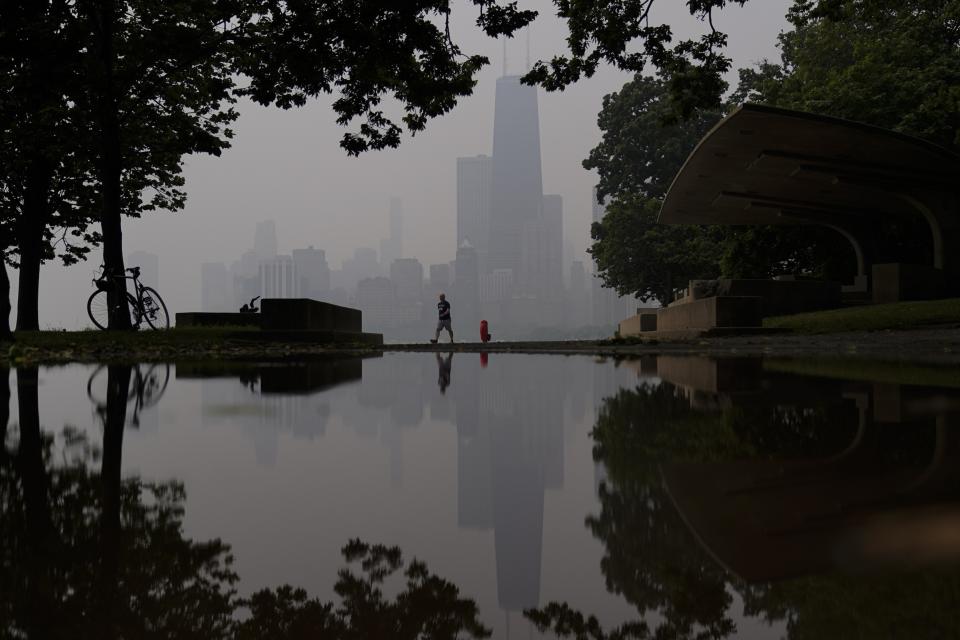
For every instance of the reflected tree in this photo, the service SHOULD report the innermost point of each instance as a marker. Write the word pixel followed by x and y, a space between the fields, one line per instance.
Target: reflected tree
pixel 428 608
pixel 652 559
pixel 108 555
pixel 565 622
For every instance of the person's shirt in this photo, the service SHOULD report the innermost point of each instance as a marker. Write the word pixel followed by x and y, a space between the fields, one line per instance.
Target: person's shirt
pixel 443 307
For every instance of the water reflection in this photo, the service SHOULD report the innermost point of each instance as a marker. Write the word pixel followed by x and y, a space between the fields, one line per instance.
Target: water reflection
pixel 719 498
pixel 91 554
pixel 816 497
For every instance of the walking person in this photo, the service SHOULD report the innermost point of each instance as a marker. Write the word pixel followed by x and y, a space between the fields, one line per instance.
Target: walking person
pixel 443 309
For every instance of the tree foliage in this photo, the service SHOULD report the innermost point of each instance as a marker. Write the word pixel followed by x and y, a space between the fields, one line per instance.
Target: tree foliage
pixel 655 561
pixel 891 64
pixel 635 255
pixel 108 96
pixel 621 33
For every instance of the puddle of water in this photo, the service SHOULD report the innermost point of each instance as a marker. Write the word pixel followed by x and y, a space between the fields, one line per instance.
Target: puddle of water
pixel 682 497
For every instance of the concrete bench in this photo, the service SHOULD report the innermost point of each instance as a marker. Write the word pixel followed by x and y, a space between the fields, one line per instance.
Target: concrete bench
pixel 304 314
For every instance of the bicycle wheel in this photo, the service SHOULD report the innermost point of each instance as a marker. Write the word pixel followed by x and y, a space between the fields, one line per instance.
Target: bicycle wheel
pixel 97 386
pixel 99 312
pixel 154 309
pixel 97 308
pixel 150 384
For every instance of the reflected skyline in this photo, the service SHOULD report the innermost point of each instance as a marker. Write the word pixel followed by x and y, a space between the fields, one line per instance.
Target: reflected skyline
pixel 687 494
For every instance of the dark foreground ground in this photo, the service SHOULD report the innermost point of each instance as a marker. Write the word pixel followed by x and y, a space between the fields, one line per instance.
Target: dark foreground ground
pixel 929 344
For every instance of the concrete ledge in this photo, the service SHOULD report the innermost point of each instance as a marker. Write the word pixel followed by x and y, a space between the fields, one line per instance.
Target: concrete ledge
pixel 780 297
pixel 304 314
pixel 324 337
pixel 287 378
pixel 638 324
pixel 686 335
pixel 897 282
pixel 214 319
pixel 711 313
pixel 710 375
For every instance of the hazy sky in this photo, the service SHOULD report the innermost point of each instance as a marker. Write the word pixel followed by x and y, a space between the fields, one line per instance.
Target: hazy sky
pixel 287 166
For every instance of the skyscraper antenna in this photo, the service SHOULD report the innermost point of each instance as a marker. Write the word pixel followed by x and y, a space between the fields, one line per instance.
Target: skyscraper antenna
pixel 528 52
pixel 504 55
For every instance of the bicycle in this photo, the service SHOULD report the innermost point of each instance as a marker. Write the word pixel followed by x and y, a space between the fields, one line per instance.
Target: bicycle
pixel 146 305
pixel 147 385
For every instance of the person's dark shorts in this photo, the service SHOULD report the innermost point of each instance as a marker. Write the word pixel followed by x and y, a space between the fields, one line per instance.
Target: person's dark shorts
pixel 444 323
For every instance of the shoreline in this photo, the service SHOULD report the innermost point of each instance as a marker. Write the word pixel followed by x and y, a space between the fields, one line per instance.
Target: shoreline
pixel 930 344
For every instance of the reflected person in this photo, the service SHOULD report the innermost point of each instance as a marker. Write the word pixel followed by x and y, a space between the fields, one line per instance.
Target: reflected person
pixel 444 365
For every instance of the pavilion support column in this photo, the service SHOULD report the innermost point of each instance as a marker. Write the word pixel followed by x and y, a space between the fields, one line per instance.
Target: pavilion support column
pixel 940 210
pixel 863 249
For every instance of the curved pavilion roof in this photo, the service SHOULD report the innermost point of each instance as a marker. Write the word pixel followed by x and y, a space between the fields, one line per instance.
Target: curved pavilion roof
pixel 765 165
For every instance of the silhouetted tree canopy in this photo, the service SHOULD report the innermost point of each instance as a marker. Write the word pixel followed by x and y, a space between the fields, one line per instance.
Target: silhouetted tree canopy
pixel 891 64
pixel 129 87
pixel 653 559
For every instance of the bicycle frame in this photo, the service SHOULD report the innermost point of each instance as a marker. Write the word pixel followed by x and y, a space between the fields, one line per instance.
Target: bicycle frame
pixel 106 280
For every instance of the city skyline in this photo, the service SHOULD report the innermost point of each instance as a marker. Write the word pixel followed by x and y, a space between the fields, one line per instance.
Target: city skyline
pixel 506 267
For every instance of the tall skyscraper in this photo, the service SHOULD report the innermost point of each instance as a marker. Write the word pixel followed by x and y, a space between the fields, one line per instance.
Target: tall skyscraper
pixel 474 176
pixel 440 276
pixel 516 181
pixel 313 271
pixel 279 278
pixel 407 276
pixel 466 290
pixel 216 292
pixel 363 264
pixel 265 240
pixel 391 248
pixel 551 256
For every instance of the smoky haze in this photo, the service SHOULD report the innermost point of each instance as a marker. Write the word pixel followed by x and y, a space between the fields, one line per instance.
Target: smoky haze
pixel 287 166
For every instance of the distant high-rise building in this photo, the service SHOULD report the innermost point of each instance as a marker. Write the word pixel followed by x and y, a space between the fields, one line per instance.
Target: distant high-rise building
pixel 578 280
pixel 407 276
pixel 216 290
pixel 149 264
pixel 516 180
pixel 279 278
pixel 440 276
pixel 551 256
pixel 466 284
pixel 313 271
pixel 265 240
pixel 362 265
pixel 474 175
pixel 578 309
pixel 246 279
pixel 496 286
pixel 377 299
pixel 391 248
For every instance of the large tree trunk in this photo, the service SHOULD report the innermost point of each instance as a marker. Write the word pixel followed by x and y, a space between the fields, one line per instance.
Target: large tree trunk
pixel 4 410
pixel 103 17
pixel 36 496
pixel 5 333
pixel 114 420
pixel 30 453
pixel 30 230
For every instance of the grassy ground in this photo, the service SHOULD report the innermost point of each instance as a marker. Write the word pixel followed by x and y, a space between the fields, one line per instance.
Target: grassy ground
pixel 152 346
pixel 900 315
pixel 889 372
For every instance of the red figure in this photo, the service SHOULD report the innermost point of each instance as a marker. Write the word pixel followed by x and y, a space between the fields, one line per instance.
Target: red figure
pixel 484 331
pixel 483 360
